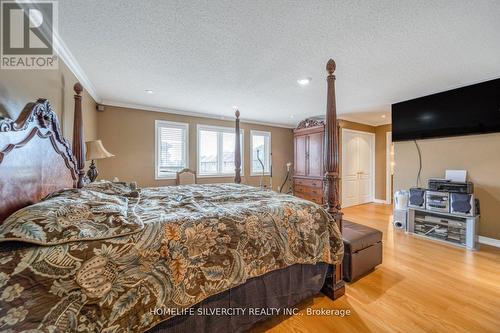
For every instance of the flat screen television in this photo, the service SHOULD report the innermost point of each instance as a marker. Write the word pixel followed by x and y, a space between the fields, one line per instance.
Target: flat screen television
pixel 473 109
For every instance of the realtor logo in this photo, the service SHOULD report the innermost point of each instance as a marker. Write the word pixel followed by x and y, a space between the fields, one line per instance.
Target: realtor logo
pixel 27 35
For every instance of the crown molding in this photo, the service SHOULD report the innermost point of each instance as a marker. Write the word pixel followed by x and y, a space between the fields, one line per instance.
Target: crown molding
pixel 70 61
pixel 107 102
pixel 65 54
pixel 346 117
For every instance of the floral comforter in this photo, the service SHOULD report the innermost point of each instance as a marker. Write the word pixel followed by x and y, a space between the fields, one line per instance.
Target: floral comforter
pixel 186 243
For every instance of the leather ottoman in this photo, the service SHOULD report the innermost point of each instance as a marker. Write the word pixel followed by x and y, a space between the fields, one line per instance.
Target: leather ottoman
pixel 362 249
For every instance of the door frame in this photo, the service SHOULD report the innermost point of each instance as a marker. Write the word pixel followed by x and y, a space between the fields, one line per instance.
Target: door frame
pixel 372 159
pixel 388 187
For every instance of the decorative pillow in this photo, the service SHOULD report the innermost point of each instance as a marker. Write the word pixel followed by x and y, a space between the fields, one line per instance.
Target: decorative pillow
pixel 73 215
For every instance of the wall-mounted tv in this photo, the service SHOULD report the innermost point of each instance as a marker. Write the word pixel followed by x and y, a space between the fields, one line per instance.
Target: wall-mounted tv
pixel 473 109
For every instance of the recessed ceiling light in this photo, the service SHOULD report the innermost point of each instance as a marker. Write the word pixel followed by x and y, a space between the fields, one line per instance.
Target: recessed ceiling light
pixel 148 91
pixel 384 116
pixel 304 81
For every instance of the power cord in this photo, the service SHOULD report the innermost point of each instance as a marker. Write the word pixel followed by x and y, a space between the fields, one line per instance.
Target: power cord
pixel 288 165
pixel 419 162
pixel 263 169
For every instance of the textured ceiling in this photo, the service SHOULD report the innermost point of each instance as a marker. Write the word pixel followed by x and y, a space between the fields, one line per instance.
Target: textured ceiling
pixel 207 56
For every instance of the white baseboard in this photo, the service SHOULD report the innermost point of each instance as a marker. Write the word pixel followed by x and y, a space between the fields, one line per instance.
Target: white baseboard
pixel 380 201
pixel 489 241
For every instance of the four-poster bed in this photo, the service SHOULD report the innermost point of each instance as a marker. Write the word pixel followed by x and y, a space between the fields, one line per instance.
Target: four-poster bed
pixel 334 286
pixel 106 255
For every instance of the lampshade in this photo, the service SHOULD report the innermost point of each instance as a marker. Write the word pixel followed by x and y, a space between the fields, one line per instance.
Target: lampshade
pixel 96 151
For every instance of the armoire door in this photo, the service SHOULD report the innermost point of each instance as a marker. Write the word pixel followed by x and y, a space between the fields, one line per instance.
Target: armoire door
pixel 315 155
pixel 357 167
pixel 300 167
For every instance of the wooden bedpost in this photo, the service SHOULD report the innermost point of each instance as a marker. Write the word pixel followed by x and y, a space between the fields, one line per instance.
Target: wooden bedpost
pixel 78 141
pixel 237 150
pixel 331 151
pixel 331 179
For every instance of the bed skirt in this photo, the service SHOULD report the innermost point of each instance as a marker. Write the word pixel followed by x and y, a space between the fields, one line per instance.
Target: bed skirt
pixel 279 289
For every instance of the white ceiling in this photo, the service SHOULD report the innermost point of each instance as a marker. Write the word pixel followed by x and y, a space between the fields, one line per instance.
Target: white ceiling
pixel 207 56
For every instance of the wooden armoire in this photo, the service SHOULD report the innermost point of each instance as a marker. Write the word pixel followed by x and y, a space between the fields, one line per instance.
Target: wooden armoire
pixel 308 160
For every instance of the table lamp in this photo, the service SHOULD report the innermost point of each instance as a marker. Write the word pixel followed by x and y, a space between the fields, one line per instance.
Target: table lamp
pixel 95 151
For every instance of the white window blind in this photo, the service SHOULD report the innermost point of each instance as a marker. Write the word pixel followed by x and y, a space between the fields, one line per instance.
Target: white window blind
pixel 260 148
pixel 171 148
pixel 216 149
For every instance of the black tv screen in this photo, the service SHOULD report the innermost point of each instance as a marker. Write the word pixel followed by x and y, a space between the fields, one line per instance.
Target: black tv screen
pixel 473 109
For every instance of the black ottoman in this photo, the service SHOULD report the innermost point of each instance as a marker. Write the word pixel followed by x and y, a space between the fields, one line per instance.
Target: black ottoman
pixel 362 249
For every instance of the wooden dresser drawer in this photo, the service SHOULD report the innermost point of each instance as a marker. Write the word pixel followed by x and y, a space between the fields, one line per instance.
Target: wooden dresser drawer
pixel 309 189
pixel 309 182
pixel 313 191
pixel 311 197
pixel 318 200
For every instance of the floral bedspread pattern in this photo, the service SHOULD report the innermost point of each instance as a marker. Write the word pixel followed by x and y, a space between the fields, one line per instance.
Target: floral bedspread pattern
pixel 74 215
pixel 196 241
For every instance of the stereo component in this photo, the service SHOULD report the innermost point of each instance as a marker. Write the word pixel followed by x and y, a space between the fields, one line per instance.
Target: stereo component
pixel 445 185
pixel 400 219
pixel 463 204
pixel 417 197
pixel 437 201
pixel 401 200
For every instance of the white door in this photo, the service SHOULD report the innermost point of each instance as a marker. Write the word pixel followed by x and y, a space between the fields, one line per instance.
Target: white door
pixel 350 183
pixel 357 167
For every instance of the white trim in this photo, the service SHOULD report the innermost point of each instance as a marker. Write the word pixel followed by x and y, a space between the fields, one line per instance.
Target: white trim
pixel 380 201
pixel 64 53
pixel 222 175
pixel 159 123
pixel 347 117
pixel 489 241
pixel 388 187
pixel 372 198
pixel 218 129
pixel 70 61
pixel 358 131
pixel 261 133
pixel 189 113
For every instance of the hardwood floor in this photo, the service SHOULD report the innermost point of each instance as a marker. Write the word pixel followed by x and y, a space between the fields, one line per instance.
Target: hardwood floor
pixel 422 286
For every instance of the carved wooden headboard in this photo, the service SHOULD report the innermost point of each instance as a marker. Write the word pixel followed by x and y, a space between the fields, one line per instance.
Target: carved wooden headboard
pixel 35 158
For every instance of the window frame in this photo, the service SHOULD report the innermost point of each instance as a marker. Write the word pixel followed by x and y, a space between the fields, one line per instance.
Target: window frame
pixel 164 123
pixel 270 156
pixel 219 130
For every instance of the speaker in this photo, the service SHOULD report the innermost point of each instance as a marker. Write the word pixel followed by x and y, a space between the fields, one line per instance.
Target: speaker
pixel 400 219
pixel 463 204
pixel 417 197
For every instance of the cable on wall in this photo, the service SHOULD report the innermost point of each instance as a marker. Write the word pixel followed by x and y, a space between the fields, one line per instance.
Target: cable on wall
pixel 419 162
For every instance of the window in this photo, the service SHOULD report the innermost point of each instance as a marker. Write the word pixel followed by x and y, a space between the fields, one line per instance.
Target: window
pixel 260 148
pixel 171 148
pixel 216 150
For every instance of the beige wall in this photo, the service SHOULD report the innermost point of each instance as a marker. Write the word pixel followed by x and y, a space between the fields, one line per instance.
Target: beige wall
pixel 19 87
pixel 381 161
pixel 380 154
pixel 478 154
pixel 354 126
pixel 130 135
